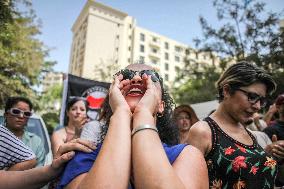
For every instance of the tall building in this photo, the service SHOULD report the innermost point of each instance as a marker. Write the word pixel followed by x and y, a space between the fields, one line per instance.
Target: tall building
pixel 106 39
pixel 51 79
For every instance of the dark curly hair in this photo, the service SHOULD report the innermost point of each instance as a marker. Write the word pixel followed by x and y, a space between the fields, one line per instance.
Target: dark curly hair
pixel 168 133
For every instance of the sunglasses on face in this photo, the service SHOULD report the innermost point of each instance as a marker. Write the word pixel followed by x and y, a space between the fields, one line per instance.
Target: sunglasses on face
pixel 17 112
pixel 254 98
pixel 129 74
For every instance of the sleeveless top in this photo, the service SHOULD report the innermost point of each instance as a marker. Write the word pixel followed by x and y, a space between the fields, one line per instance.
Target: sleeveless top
pixel 83 162
pixel 232 164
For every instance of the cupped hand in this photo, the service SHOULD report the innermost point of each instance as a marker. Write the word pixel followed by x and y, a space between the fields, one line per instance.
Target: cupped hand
pixel 151 98
pixel 116 92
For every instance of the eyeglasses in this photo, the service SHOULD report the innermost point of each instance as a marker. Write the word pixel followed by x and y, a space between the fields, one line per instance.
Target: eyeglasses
pixel 254 98
pixel 129 74
pixel 17 112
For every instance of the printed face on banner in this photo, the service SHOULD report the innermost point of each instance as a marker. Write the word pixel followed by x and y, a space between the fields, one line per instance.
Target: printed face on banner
pixel 95 97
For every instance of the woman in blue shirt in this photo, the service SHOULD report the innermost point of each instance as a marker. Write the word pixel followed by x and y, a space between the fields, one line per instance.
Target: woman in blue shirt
pixel 132 153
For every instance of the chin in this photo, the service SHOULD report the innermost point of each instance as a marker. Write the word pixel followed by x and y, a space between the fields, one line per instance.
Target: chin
pixel 132 102
pixel 247 121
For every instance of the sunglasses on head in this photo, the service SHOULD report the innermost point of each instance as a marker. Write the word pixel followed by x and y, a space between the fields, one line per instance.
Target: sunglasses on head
pixel 254 98
pixel 17 112
pixel 129 74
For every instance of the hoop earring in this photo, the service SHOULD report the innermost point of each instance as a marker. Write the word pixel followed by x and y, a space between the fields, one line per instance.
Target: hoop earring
pixel 160 115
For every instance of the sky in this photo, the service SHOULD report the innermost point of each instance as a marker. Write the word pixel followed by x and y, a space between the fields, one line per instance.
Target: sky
pixel 174 19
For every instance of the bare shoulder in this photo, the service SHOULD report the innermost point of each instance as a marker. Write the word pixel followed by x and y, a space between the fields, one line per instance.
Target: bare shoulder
pixel 59 133
pixel 198 131
pixel 201 128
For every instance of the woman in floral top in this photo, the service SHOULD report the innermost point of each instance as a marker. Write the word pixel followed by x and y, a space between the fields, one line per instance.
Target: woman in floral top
pixel 234 158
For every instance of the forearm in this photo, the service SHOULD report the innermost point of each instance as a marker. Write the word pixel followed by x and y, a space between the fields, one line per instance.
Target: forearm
pixel 114 157
pixel 150 164
pixel 268 117
pixel 31 179
pixel 25 165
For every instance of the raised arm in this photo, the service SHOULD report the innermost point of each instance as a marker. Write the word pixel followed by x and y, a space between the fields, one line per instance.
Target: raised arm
pixel 151 167
pixel 112 166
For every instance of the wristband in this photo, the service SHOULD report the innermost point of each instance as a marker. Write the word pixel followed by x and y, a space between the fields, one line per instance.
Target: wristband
pixel 143 127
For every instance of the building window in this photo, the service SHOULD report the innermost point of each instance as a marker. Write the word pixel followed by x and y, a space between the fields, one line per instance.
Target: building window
pixel 166 66
pixel 154 50
pixel 154 61
pixel 166 77
pixel 177 69
pixel 177 59
pixel 167 56
pixel 142 48
pixel 129 48
pixel 141 59
pixel 155 39
pixel 118 25
pixel 142 37
pixel 129 37
pixel 166 45
pixel 196 55
pixel 117 36
pixel 178 49
pixel 128 60
pixel 130 26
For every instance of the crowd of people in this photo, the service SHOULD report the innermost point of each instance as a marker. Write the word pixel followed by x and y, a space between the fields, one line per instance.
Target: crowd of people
pixel 147 142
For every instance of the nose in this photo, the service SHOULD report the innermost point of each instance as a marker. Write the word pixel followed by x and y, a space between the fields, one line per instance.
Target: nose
pixel 136 79
pixel 257 106
pixel 21 115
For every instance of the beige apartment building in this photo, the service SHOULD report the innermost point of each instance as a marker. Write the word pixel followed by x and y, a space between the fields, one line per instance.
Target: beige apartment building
pixel 106 39
pixel 51 79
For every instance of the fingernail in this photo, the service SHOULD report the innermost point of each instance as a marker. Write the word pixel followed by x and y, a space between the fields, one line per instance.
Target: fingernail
pixel 71 154
pixel 89 150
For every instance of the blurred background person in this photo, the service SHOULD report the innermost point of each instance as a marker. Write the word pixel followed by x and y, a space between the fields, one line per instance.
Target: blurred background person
pixel 76 117
pixel 257 124
pixel 184 117
pixel 18 110
pixel 277 128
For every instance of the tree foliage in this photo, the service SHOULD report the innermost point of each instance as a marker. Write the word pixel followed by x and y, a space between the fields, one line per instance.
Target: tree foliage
pixel 247 32
pixel 49 104
pixel 198 85
pixel 21 53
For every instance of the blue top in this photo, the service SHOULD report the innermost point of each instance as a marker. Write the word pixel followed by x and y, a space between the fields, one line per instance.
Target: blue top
pixel 35 143
pixel 83 162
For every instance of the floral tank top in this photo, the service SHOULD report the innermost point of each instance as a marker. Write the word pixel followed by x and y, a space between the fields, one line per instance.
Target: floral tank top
pixel 234 165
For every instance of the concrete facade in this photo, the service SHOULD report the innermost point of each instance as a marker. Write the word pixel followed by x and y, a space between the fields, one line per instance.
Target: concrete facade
pixel 106 39
pixel 51 79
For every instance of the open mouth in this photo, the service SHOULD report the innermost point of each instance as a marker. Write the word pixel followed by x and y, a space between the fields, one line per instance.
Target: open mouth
pixel 136 90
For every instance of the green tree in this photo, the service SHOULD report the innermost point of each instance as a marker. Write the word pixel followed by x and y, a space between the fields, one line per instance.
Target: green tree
pixel 50 103
pixel 198 84
pixel 21 53
pixel 248 32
